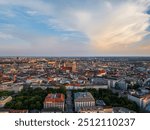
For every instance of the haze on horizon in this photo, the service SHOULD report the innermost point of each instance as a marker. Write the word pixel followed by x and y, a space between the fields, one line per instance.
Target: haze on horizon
pixel 75 28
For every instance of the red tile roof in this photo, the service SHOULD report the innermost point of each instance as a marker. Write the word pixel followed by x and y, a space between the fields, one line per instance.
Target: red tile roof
pixel 66 68
pixel 55 98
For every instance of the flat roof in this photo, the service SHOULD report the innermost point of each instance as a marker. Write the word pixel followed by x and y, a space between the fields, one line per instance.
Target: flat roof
pixel 3 98
pixel 83 96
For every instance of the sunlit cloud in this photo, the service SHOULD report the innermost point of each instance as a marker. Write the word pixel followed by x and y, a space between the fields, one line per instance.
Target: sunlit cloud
pixel 97 27
pixel 122 26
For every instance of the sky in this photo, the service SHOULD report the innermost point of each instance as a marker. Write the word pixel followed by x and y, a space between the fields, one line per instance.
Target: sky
pixel 75 28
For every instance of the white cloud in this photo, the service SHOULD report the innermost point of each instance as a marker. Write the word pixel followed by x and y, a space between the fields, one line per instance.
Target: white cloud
pixel 32 13
pixel 38 5
pixel 5 36
pixel 124 28
pixel 108 5
pixel 113 27
pixel 7 13
pixel 122 25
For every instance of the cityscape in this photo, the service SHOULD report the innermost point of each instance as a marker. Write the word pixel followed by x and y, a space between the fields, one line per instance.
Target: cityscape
pixel 74 84
pixel 75 56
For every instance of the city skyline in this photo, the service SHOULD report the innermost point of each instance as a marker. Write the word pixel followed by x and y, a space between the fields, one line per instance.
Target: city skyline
pixel 74 28
pixel 79 84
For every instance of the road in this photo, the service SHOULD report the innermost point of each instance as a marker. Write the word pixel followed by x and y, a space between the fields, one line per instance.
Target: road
pixel 69 103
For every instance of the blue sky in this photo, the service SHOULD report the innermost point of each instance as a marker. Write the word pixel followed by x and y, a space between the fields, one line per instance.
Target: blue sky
pixel 74 27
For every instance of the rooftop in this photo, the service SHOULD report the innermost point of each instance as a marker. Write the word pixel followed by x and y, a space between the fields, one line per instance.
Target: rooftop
pixel 100 103
pixel 58 97
pixel 3 98
pixel 83 96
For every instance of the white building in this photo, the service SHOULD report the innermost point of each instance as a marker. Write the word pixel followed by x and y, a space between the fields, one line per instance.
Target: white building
pixel 76 87
pixel 83 99
pixel 121 84
pixel 4 100
pixel 15 88
pixel 141 101
pixel 112 83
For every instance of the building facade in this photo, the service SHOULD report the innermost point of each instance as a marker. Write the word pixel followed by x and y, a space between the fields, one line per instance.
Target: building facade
pixel 74 66
pixel 141 101
pixel 54 101
pixel 83 100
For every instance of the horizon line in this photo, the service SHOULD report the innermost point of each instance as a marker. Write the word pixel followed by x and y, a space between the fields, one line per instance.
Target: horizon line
pixel 81 56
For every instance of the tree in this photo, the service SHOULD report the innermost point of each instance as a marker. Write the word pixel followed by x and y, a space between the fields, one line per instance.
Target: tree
pixel 6 93
pixel 38 105
pixel 19 105
pixel 9 105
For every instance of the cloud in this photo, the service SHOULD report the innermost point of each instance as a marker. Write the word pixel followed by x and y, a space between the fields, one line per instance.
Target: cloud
pixel 7 13
pixel 32 13
pixel 5 36
pixel 38 5
pixel 39 45
pixel 121 27
pixel 113 27
pixel 109 27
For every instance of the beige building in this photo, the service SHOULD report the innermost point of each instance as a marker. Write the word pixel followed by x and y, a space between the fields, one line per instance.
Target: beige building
pixel 54 101
pixel 4 100
pixel 83 100
pixel 74 66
